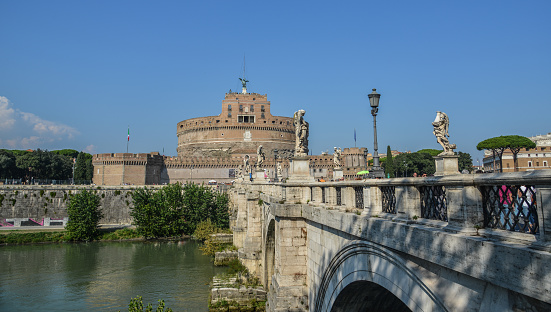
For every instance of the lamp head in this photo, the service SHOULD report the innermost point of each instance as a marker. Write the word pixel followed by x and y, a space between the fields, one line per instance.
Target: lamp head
pixel 374 98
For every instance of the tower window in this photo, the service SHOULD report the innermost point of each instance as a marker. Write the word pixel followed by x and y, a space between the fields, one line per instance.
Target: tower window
pixel 252 108
pixel 229 107
pixel 262 108
pixel 241 108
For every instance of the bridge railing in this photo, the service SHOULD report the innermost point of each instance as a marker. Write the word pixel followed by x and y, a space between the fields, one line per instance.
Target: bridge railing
pixel 516 202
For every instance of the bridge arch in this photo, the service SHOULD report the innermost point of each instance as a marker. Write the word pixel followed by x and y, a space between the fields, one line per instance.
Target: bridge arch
pixel 367 265
pixel 269 253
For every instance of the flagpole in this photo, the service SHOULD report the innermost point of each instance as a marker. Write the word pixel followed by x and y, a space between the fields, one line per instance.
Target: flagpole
pixel 128 140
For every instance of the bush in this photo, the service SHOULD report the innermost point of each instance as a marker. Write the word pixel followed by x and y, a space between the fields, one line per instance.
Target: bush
pixel 136 305
pixel 84 215
pixel 159 214
pixel 175 210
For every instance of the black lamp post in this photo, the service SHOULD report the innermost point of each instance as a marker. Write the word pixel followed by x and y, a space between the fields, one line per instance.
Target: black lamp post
pixel 275 165
pixel 376 171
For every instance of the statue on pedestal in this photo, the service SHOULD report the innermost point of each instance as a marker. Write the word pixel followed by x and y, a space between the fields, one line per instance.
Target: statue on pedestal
pixel 337 157
pixel 279 170
pixel 301 134
pixel 441 124
pixel 246 165
pixel 260 156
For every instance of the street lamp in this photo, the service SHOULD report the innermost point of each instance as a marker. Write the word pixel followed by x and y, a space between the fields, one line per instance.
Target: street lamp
pixel 275 165
pixel 365 158
pixel 376 171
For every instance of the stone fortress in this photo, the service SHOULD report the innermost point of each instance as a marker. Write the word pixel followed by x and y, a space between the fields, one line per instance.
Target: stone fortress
pixel 214 147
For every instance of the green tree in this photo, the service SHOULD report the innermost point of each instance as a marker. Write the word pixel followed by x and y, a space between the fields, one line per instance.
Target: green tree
pixel 432 152
pixel 159 214
pixel 497 145
pixel 175 210
pixel 465 162
pixel 389 163
pixel 80 167
pixel 8 169
pixel 84 216
pixel 515 143
pixel 69 153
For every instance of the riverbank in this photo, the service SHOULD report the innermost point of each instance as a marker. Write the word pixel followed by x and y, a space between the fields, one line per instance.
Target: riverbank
pixel 36 235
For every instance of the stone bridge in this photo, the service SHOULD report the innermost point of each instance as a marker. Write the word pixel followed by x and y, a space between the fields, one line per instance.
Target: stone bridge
pixel 450 243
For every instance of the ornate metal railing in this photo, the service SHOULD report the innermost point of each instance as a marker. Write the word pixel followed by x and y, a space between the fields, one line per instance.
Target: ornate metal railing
pixel 389 198
pixel 359 194
pixel 433 202
pixel 510 207
pixel 339 198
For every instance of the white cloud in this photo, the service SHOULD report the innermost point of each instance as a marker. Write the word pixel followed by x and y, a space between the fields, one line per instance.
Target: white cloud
pixel 90 149
pixel 7 113
pixel 23 130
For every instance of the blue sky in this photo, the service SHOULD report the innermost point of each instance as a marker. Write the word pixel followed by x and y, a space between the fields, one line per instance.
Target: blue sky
pixel 76 74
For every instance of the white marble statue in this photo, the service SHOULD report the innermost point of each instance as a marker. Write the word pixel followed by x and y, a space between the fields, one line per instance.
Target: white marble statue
pixel 246 165
pixel 279 170
pixel 337 154
pixel 441 124
pixel 260 156
pixel 301 134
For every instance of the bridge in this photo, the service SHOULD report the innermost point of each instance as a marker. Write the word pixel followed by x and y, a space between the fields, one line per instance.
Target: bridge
pixel 448 243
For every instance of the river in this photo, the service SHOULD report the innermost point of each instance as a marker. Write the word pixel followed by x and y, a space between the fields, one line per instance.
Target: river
pixel 104 276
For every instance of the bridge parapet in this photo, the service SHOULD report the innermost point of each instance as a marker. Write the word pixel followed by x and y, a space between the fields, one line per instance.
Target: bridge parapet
pixel 488 229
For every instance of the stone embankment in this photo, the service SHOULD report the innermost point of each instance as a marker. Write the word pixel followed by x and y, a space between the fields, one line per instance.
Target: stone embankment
pixel 40 203
pixel 229 294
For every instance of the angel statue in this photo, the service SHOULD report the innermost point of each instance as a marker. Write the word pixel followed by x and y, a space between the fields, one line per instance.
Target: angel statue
pixel 246 165
pixel 244 82
pixel 337 157
pixel 441 124
pixel 260 156
pixel 301 133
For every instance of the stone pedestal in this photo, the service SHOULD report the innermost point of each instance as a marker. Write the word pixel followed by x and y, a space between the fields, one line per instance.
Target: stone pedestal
pixel 300 166
pixel 259 175
pixel 446 165
pixel 337 174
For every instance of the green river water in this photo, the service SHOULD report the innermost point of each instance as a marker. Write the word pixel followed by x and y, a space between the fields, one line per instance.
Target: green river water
pixel 104 276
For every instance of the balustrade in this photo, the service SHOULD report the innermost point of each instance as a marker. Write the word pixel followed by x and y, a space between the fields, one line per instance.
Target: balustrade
pixel 514 202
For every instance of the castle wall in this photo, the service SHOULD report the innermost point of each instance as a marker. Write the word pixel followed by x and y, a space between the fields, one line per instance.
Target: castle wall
pixel 49 201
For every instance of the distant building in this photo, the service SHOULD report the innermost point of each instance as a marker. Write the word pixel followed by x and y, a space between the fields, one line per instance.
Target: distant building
pixel 537 158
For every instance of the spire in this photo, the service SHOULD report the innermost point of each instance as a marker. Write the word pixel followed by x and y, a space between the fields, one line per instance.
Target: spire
pixel 244 80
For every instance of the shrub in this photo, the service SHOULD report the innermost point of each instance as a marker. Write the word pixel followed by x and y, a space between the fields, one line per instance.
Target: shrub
pixel 136 305
pixel 84 215
pixel 175 210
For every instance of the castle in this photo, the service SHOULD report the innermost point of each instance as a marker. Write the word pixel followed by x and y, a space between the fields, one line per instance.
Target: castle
pixel 213 148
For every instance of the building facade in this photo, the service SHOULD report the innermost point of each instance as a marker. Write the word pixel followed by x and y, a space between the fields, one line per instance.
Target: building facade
pixel 528 159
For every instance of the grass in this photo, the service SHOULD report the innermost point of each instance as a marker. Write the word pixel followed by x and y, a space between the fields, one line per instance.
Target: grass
pixel 17 237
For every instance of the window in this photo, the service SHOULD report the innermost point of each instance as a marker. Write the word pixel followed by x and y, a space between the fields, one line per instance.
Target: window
pixel 262 108
pixel 229 115
pixel 537 163
pixel 241 108
pixel 252 108
pixel 229 108
pixel 245 118
pixel 545 163
pixel 543 148
pixel 529 164
pixel 262 116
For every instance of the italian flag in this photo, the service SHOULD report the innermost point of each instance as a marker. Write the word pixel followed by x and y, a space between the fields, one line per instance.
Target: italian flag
pixel 128 134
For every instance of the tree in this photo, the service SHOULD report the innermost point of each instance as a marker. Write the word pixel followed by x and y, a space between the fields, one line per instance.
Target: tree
pixel 497 145
pixel 389 163
pixel 84 215
pixel 80 167
pixel 465 162
pixel 515 143
pixel 8 169
pixel 174 210
pixel 432 152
